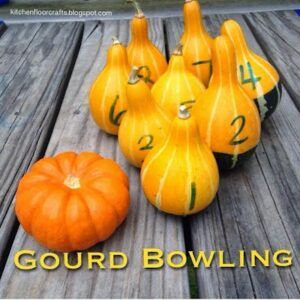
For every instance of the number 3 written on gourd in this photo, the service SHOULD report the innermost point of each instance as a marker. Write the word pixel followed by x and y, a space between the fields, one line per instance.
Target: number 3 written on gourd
pixel 235 140
pixel 112 118
pixel 148 139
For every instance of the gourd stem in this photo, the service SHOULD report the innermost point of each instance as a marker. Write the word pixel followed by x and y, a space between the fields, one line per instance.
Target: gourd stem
pixel 137 7
pixel 115 41
pixel 183 112
pixel 133 77
pixel 178 49
pixel 72 182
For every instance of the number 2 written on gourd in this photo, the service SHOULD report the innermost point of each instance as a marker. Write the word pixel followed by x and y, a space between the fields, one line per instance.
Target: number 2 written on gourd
pixel 235 140
pixel 252 78
pixel 148 142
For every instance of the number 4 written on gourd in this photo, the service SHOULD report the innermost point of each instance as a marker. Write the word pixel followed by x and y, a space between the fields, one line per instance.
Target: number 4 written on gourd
pixel 252 78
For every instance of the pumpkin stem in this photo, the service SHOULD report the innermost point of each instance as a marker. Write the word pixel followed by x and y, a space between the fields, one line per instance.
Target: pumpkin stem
pixel 183 112
pixel 134 75
pixel 72 182
pixel 178 49
pixel 136 5
pixel 115 41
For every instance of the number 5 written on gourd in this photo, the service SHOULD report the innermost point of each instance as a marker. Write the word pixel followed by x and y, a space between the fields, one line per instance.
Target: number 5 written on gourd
pixel 234 140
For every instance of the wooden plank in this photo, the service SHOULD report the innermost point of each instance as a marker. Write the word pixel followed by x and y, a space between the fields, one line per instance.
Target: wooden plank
pixel 256 207
pixel 144 227
pixel 35 62
pixel 278 33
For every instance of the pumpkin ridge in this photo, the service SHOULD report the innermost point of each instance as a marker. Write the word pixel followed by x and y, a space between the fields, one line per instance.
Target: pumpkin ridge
pixel 40 200
pixel 119 218
pixel 82 198
pixel 68 157
pixel 42 168
pixel 46 190
pixel 90 163
pixel 66 225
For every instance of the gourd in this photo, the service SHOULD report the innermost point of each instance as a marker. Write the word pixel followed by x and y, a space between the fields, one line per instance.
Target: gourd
pixel 107 97
pixel 258 77
pixel 144 124
pixel 196 42
pixel 142 52
pixel 72 201
pixel 228 119
pixel 177 85
pixel 180 176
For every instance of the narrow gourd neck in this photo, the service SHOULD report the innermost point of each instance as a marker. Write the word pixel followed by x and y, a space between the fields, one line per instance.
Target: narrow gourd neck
pixel 116 55
pixel 176 63
pixel 235 33
pixel 223 62
pixel 139 24
pixel 184 131
pixel 193 23
pixel 139 30
pixel 139 97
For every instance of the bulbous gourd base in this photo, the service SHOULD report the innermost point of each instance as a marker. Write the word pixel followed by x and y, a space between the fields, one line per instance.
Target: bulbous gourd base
pixel 270 100
pixel 229 162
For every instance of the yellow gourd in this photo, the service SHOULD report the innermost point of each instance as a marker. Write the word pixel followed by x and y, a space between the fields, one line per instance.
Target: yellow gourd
pixel 258 77
pixel 228 119
pixel 144 125
pixel 107 97
pixel 142 52
pixel 180 176
pixel 196 42
pixel 177 86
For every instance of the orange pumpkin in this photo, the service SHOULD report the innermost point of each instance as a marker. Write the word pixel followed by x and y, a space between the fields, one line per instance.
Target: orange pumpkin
pixel 142 52
pixel 197 43
pixel 71 202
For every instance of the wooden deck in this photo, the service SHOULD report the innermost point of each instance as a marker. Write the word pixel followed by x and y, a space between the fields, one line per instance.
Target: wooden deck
pixel 46 71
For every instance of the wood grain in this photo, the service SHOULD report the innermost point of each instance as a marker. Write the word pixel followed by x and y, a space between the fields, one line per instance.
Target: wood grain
pixel 256 207
pixel 278 34
pixel 144 227
pixel 35 61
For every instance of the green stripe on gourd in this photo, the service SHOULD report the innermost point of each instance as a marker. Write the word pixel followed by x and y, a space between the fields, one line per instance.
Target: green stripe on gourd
pixel 193 196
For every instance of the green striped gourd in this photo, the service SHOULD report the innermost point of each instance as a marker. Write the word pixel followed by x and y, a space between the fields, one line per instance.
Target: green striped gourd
pixel 144 125
pixel 180 176
pixel 258 77
pixel 227 118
